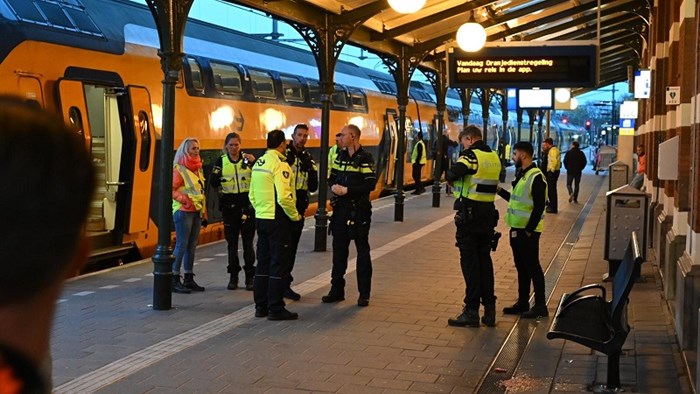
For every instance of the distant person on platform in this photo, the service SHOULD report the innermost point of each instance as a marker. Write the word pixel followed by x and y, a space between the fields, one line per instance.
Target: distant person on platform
pixel 43 238
pixel 447 144
pixel 333 152
pixel 418 159
pixel 574 162
pixel 274 200
pixel 551 165
pixel 638 180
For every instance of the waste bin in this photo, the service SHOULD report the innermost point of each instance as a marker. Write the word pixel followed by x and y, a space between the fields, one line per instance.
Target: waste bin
pixel 627 211
pixel 618 175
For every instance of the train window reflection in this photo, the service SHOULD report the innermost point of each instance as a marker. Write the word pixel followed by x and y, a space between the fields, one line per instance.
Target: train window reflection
pixel 263 85
pixel 145 136
pixel 76 119
pixel 339 98
pixel 358 98
pixel 227 78
pixel 291 89
pixel 195 74
pixel 315 92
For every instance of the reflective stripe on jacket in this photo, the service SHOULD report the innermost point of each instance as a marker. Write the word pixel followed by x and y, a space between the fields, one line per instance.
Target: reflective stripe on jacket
pixel 521 203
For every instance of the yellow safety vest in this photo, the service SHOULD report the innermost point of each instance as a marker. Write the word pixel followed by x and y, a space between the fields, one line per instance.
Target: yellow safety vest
pixel 553 159
pixel 237 178
pixel 414 155
pixel 332 154
pixel 488 169
pixel 521 204
pixel 195 191
pixel 271 183
pixel 301 178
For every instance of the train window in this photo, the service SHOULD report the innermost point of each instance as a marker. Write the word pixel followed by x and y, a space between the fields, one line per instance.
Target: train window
pixel 195 74
pixel 145 136
pixel 339 98
pixel 263 85
pixel 315 92
pixel 358 98
pixel 291 89
pixel 55 14
pixel 227 78
pixel 26 10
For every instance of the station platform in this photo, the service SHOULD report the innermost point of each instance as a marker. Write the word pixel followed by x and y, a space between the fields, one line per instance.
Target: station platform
pixel 107 339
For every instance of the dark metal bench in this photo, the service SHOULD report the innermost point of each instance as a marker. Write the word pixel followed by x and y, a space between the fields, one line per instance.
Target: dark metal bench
pixel 596 323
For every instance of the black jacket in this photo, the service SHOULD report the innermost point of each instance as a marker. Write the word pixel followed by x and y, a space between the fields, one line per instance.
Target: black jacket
pixel 575 161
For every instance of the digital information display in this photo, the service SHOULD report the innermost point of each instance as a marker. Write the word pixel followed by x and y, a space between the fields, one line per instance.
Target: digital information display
pixel 524 67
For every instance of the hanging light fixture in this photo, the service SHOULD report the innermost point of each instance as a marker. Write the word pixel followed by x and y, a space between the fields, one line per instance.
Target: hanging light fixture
pixel 562 95
pixel 574 103
pixel 471 37
pixel 406 6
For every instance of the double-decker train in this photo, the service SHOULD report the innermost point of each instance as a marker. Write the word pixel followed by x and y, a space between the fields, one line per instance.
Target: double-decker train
pixel 96 63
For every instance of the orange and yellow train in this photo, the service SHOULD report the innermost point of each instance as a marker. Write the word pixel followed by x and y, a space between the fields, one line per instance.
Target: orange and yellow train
pixel 95 62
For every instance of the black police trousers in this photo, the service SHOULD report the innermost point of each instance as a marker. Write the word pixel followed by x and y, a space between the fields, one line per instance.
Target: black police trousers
pixel 274 238
pixel 233 227
pixel 526 254
pixel 477 266
pixel 342 232
pixel 296 229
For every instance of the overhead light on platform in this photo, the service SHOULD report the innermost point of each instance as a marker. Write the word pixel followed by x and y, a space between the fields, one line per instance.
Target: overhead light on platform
pixel 562 95
pixel 574 103
pixel 406 6
pixel 471 37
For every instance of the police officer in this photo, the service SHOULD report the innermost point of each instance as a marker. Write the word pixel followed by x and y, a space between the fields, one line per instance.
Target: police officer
pixel 232 173
pixel 352 179
pixel 418 158
pixel 475 179
pixel 525 216
pixel 273 198
pixel 306 180
pixel 551 167
pixel 333 152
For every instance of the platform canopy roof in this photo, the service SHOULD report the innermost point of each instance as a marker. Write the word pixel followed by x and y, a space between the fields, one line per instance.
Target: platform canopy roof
pixel 624 24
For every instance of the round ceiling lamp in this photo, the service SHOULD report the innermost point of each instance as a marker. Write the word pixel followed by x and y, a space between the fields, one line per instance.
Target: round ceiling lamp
pixel 562 95
pixel 406 6
pixel 471 37
pixel 574 104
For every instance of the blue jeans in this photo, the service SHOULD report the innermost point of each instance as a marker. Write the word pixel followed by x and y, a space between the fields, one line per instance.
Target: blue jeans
pixel 187 226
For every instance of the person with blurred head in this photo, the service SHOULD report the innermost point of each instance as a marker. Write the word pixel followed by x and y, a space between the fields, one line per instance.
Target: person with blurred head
pixel 551 166
pixel 42 238
pixel 353 178
pixel 231 174
pixel 189 212
pixel 574 162
pixel 305 181
pixel 274 200
pixel 525 217
pixel 418 158
pixel 638 180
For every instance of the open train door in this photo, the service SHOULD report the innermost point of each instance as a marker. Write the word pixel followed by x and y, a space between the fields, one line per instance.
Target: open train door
pixel 142 120
pixel 389 147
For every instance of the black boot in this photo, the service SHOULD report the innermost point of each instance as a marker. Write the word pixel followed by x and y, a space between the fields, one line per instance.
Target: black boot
pixel 233 282
pixel 178 287
pixel 282 314
pixel 468 317
pixel 333 296
pixel 191 284
pixel 489 317
pixel 249 281
pixel 517 308
pixel 537 311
